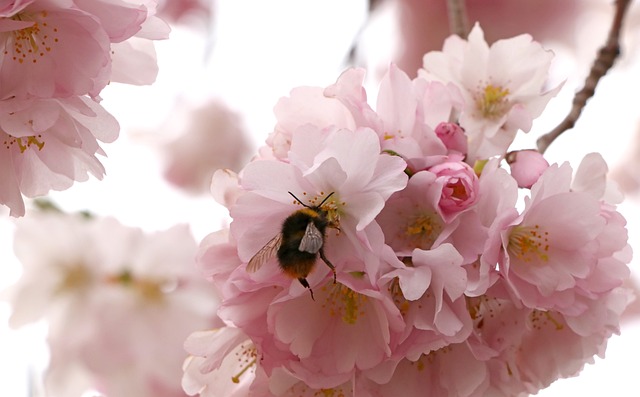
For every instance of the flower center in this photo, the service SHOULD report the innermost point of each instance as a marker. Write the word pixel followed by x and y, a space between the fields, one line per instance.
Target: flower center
pixel 528 244
pixel 150 289
pixel 32 42
pixel 457 190
pixel 75 277
pixel 24 142
pixel 247 357
pixel 423 230
pixel 492 101
pixel 483 308
pixel 345 303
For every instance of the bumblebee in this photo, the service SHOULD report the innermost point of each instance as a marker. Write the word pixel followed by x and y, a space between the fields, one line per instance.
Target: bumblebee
pixel 298 244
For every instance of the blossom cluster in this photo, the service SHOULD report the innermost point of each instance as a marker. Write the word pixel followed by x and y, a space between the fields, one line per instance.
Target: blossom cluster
pixel 118 302
pixel 57 56
pixel 440 271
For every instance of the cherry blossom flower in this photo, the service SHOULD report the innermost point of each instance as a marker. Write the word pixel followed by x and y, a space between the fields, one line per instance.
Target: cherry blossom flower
pixel 52 50
pixel 555 250
pixel 122 294
pixel 407 111
pixel 119 19
pixel 306 105
pixel 429 293
pixel 424 24
pixel 50 143
pixel 412 218
pixel 222 363
pixel 133 61
pixel 508 338
pixel 501 95
pixel 449 371
pixel 343 322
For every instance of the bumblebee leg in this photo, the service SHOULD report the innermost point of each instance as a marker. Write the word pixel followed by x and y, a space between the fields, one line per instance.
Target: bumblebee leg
pixel 333 268
pixel 305 284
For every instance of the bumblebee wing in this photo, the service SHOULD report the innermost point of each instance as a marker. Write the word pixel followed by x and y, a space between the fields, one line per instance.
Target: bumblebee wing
pixel 267 252
pixel 312 240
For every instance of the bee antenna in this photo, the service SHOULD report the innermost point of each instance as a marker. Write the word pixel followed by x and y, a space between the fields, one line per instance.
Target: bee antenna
pixel 319 205
pixel 325 199
pixel 298 200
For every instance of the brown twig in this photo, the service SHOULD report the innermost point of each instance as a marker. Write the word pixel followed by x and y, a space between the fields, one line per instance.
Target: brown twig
pixel 603 62
pixel 458 18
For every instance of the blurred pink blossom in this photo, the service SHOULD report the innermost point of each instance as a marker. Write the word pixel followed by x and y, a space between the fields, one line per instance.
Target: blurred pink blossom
pixel 123 294
pixel 212 137
pixel 184 10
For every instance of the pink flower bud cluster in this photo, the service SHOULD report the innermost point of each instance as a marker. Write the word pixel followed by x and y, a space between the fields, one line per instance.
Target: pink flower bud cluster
pixel 57 56
pixel 443 285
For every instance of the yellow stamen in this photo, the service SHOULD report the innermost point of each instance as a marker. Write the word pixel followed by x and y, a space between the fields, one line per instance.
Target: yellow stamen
pixel 247 357
pixel 24 143
pixel 528 244
pixel 540 319
pixel 345 303
pixel 32 42
pixel 483 308
pixel 423 230
pixel 236 378
pixel 492 101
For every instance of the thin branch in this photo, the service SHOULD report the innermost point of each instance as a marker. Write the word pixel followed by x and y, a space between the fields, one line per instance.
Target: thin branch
pixel 603 62
pixel 458 22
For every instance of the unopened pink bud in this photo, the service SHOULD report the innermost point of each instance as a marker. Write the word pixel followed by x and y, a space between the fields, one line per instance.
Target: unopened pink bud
pixel 526 167
pixel 460 187
pixel 453 137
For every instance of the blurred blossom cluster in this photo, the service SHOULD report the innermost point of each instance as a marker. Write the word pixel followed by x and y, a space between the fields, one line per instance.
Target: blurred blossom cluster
pixel 118 302
pixel 444 284
pixel 58 55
